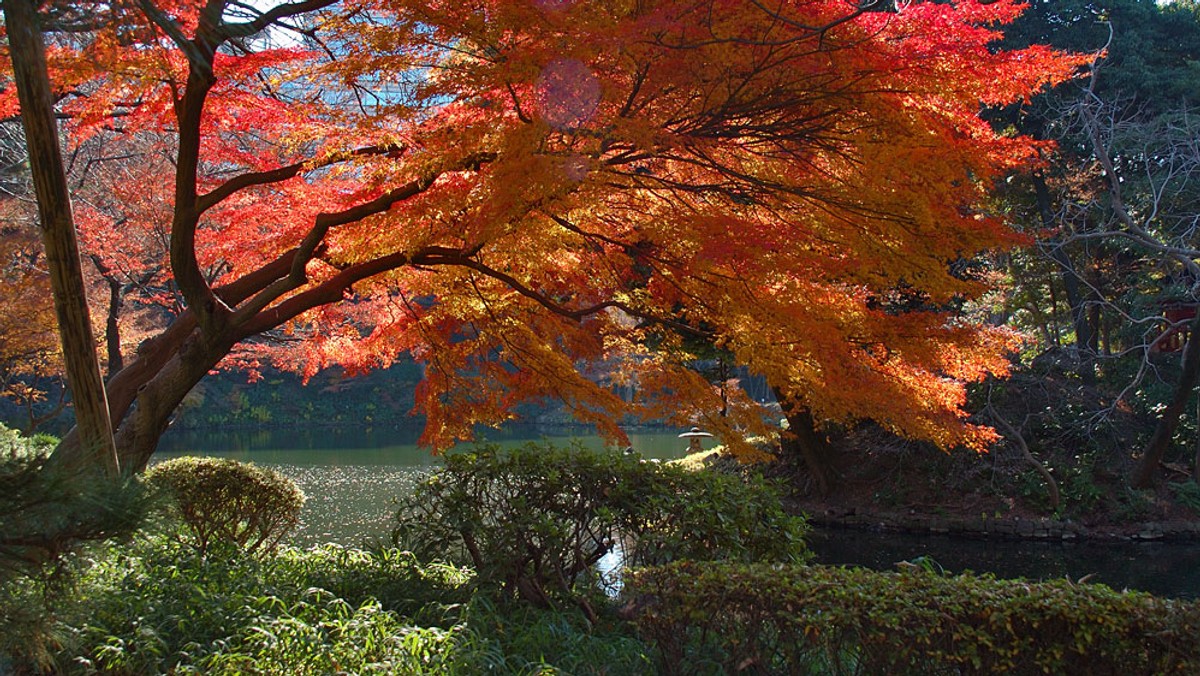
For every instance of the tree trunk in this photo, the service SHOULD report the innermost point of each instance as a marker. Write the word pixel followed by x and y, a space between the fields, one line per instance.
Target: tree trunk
pixel 723 374
pixel 1147 471
pixel 155 375
pixel 112 325
pixel 112 328
pixel 1014 435
pixel 30 74
pixel 164 371
pixel 803 439
pixel 1072 285
pixel 157 400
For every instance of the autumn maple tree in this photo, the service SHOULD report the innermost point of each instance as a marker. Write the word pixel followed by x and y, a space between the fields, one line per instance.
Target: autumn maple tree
pixel 123 238
pixel 28 339
pixel 516 191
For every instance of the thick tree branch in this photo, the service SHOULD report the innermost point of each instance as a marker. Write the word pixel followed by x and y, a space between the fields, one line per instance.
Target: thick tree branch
pixel 331 290
pixel 272 16
pixel 154 353
pixel 197 59
pixel 257 178
pixel 316 235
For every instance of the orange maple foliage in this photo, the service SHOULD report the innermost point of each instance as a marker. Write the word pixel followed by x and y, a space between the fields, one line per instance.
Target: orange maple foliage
pixel 515 191
pixel 28 339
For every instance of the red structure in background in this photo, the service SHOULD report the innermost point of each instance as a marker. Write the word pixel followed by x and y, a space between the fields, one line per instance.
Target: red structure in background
pixel 1179 315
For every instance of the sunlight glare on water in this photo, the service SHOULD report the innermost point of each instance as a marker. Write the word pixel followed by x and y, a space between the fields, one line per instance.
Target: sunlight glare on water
pixel 351 478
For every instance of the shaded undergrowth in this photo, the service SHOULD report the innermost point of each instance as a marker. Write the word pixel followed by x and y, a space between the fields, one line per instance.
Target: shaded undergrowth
pixel 155 606
pixel 165 600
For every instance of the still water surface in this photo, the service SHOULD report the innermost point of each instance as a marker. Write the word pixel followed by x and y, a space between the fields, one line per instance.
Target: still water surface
pixel 352 477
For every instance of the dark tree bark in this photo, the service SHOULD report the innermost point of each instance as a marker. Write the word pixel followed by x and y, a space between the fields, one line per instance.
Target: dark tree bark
pixel 1085 334
pixel 803 439
pixel 112 325
pixel 30 74
pixel 1147 471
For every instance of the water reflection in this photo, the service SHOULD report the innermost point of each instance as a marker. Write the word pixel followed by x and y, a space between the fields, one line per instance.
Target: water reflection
pixel 383 445
pixel 1167 569
pixel 353 476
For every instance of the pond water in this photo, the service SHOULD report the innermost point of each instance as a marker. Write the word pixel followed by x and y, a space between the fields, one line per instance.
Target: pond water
pixel 1165 569
pixel 352 477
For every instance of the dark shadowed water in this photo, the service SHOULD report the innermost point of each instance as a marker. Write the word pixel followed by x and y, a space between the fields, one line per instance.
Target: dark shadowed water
pixel 352 477
pixel 1166 569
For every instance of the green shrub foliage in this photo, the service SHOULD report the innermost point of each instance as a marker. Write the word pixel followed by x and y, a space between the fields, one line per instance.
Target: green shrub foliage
pixel 47 514
pixel 799 619
pixel 224 501
pixel 536 520
pixel 157 606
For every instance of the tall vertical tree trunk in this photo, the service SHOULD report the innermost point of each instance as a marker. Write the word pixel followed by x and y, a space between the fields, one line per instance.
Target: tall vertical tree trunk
pixel 31 76
pixel 1094 323
pixel 1072 284
pixel 112 330
pixel 1147 471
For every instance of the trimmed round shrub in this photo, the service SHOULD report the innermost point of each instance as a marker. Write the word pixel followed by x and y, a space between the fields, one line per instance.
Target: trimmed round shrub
pixel 224 501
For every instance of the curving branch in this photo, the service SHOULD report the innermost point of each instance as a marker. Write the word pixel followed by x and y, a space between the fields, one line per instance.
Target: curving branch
pixel 1014 435
pixel 272 16
pixel 313 241
pixel 258 178
pixel 577 314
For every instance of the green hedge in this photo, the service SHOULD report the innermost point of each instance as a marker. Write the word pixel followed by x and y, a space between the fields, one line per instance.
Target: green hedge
pixel 798 619
pixel 536 520
pixel 226 502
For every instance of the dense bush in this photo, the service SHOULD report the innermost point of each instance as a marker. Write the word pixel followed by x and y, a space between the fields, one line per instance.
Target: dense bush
pixel 729 617
pixel 46 510
pixel 224 501
pixel 158 606
pixel 537 519
pixel 427 593
pixel 163 608
pixel 517 638
pixel 13 445
pixel 46 515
